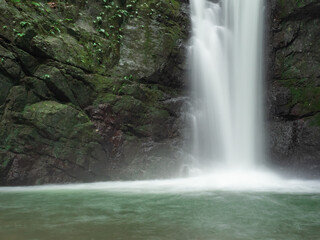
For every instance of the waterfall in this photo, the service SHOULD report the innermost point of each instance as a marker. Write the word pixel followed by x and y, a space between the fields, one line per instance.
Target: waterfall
pixel 226 60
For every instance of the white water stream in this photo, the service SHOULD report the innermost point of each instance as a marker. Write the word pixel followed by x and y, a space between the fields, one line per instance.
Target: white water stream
pixel 226 56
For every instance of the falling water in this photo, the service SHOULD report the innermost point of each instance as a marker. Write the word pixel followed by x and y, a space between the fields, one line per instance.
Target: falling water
pixel 226 57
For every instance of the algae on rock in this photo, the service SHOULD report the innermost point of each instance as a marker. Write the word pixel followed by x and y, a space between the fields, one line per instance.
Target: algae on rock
pixel 81 80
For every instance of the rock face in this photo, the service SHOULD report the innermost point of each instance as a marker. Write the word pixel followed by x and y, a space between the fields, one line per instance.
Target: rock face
pixel 91 90
pixel 294 90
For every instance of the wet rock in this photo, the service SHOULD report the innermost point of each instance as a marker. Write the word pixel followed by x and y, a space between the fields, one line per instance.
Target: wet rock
pixel 82 81
pixel 55 142
pixel 294 94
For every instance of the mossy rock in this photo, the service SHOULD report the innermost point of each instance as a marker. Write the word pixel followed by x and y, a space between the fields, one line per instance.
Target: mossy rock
pixel 285 7
pixel 5 86
pixel 107 98
pixel 18 97
pixel 133 90
pixel 38 87
pixel 57 62
pixel 64 87
pixel 128 104
pixel 9 64
pixel 55 119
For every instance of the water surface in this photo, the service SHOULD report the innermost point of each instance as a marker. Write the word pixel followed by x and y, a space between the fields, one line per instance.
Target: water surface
pixel 195 209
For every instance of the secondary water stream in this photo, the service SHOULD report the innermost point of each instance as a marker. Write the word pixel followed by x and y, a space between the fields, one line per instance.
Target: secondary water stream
pixel 238 202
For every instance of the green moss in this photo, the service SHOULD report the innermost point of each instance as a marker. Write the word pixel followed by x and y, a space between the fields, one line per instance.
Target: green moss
pixel 42 109
pixel 17 138
pixel 37 86
pixel 315 120
pixel 171 36
pixel 309 98
pixel 5 86
pixel 152 92
pixel 133 90
pixel 157 113
pixel 285 7
pixel 108 98
pixel 303 95
pixel 104 84
pixel 300 3
pixel 299 76
pixel 17 99
pixel 129 104
pixel 55 119
pixel 4 163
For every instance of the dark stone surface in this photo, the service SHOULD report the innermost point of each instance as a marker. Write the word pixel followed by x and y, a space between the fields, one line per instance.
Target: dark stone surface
pixel 86 90
pixel 293 85
pixel 88 94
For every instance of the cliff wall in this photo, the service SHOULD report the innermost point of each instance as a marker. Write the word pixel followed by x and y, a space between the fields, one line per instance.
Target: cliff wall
pixel 90 90
pixel 294 85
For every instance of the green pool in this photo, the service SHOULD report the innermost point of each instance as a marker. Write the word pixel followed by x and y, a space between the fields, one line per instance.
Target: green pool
pixel 195 209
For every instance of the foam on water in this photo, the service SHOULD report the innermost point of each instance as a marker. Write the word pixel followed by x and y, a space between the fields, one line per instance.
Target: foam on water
pixel 219 180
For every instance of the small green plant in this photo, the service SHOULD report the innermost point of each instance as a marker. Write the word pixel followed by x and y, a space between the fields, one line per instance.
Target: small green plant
pixel 99 19
pixel 121 12
pixel 24 23
pixel 46 76
pixel 35 4
pixel 20 34
pixel 57 29
pixel 130 77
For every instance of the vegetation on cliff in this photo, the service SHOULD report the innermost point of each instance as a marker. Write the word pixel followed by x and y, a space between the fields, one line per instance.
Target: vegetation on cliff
pixel 79 80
